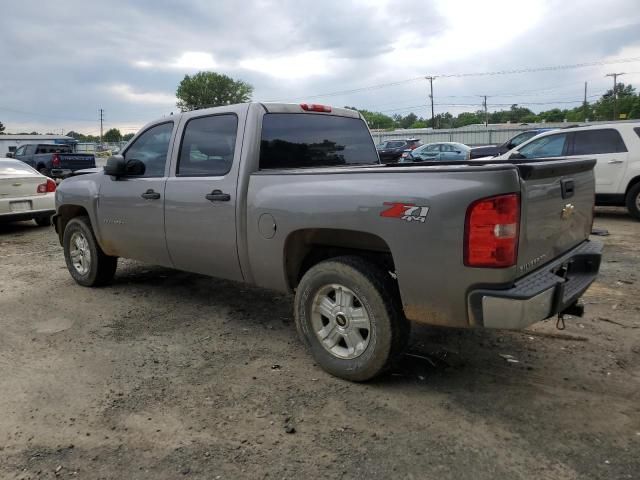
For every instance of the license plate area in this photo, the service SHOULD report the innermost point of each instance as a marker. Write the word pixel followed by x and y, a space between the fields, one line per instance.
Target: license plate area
pixel 22 206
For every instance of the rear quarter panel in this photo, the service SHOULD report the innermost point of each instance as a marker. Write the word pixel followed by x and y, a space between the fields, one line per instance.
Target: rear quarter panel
pixel 428 256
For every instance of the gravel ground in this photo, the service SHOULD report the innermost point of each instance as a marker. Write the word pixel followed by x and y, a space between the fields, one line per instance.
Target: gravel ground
pixel 171 375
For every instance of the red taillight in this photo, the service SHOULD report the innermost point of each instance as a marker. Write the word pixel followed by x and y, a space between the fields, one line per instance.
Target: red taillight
pixel 55 160
pixel 48 187
pixel 314 107
pixel 491 232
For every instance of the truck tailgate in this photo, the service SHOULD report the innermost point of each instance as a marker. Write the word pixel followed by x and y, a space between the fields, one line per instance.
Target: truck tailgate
pixel 76 161
pixel 557 198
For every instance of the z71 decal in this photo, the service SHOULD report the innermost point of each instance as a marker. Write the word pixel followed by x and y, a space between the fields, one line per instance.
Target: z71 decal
pixel 405 211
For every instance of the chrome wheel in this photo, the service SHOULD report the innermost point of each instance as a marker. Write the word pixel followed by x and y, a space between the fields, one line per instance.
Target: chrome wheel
pixel 80 253
pixel 340 321
pixel 638 201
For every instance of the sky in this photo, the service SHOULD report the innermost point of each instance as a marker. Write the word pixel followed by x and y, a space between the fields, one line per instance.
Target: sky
pixel 60 62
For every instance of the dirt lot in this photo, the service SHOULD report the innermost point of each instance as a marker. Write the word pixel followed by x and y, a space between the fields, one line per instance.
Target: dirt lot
pixel 172 375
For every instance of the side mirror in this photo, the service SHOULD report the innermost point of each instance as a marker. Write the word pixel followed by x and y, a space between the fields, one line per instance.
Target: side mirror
pixel 10 155
pixel 516 156
pixel 116 166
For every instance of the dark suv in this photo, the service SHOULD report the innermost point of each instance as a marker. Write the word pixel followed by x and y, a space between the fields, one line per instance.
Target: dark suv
pixel 390 151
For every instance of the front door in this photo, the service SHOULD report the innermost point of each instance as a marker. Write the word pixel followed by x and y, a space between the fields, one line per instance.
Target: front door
pixel 131 208
pixel 200 199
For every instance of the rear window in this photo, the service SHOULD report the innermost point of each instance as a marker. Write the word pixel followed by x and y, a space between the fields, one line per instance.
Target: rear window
pixel 592 142
pixel 53 149
pixel 15 168
pixel 303 140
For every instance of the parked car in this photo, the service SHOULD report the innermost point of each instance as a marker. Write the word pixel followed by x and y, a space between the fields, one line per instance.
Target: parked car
pixel 616 147
pixel 495 150
pixel 442 151
pixel 25 194
pixel 293 198
pixel 55 161
pixel 391 150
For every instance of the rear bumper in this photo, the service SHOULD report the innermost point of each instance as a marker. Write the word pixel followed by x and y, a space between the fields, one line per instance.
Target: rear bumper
pixel 61 172
pixel 539 295
pixel 26 215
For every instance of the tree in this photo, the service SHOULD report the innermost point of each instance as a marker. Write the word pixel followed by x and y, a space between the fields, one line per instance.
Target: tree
pixel 210 89
pixel 113 135
pixel 2 127
pixel 408 120
pixel 128 136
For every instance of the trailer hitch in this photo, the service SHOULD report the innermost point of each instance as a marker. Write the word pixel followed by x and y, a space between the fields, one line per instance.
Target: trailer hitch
pixel 576 309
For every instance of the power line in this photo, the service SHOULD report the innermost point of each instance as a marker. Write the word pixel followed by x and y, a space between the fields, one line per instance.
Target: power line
pixel 476 74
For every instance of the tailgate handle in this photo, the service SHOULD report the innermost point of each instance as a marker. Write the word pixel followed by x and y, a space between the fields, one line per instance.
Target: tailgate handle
pixel 568 188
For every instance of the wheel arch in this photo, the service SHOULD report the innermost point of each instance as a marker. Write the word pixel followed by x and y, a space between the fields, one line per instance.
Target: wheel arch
pixel 65 214
pixel 305 248
pixel 632 183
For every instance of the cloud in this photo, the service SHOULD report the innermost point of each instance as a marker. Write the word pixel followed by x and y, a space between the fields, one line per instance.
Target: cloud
pixel 130 64
pixel 126 93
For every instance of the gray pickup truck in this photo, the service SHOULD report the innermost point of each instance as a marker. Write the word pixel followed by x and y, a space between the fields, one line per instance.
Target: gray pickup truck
pixel 293 198
pixel 55 161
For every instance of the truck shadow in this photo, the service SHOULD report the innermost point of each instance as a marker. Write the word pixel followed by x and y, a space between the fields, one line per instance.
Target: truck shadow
pixel 441 355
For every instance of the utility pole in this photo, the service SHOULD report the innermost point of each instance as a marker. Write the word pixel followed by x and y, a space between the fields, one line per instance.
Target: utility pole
pixel 486 113
pixel 615 93
pixel 584 104
pixel 101 121
pixel 431 79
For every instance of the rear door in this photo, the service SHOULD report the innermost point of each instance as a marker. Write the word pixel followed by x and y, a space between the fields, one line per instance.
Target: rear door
pixel 430 152
pixel 131 208
pixel 200 198
pixel 607 146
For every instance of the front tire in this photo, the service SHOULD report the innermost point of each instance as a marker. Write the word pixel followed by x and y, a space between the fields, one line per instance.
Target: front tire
pixel 633 201
pixel 348 313
pixel 87 263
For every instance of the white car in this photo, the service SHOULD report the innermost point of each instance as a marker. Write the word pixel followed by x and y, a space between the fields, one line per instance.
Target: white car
pixel 615 146
pixel 25 194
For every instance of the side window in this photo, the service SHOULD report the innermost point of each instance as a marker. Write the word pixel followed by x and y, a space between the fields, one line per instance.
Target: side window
pixel 151 148
pixel 207 146
pixel 637 130
pixel 20 151
pixel 593 142
pixel 29 149
pixel 433 148
pixel 549 146
pixel 395 144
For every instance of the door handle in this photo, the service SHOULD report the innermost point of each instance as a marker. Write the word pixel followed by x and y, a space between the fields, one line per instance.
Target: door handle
pixel 614 161
pixel 217 196
pixel 150 195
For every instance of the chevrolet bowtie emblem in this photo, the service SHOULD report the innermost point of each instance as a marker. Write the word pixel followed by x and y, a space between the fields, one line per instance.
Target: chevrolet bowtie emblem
pixel 567 211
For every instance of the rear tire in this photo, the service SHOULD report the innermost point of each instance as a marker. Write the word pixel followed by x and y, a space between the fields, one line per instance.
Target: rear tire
pixel 87 263
pixel 44 221
pixel 633 201
pixel 348 314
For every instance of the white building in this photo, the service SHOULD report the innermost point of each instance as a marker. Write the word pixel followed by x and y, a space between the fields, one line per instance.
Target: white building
pixel 10 143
